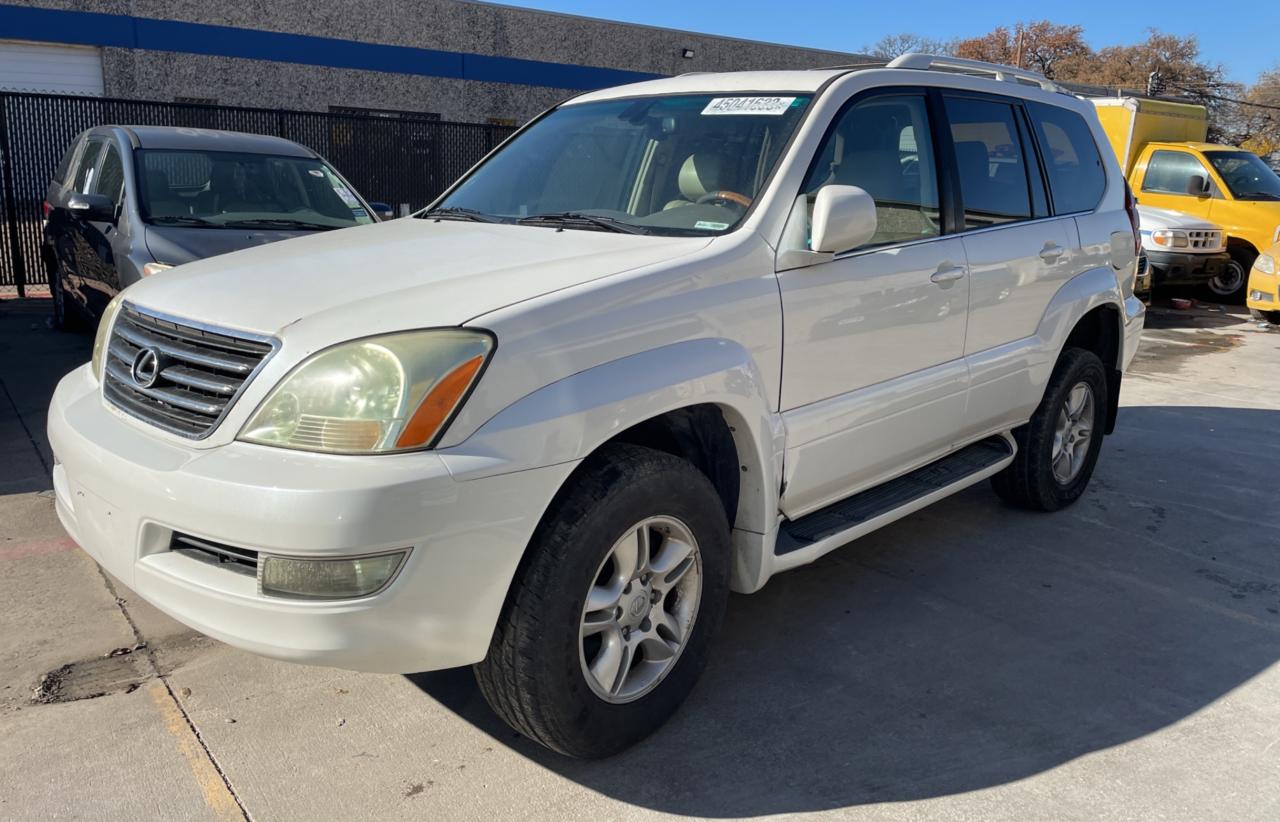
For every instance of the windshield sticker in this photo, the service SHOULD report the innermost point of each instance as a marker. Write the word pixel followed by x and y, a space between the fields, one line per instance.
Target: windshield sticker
pixel 710 225
pixel 346 195
pixel 315 172
pixel 749 105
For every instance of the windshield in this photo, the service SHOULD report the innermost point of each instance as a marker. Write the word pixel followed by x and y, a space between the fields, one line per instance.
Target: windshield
pixel 686 164
pixel 1246 175
pixel 228 189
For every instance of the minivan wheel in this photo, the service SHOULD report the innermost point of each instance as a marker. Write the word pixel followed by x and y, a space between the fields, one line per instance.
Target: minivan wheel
pixel 1059 447
pixel 608 622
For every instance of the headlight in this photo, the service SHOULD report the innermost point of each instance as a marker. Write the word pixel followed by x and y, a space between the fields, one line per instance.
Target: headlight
pixel 101 339
pixel 1266 264
pixel 395 392
pixel 154 268
pixel 1170 238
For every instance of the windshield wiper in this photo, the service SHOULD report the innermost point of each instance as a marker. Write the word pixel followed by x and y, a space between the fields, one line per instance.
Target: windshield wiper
pixel 460 213
pixel 569 218
pixel 280 222
pixel 183 219
pixel 1265 195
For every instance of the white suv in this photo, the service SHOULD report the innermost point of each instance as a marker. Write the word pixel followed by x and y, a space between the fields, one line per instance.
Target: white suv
pixel 667 341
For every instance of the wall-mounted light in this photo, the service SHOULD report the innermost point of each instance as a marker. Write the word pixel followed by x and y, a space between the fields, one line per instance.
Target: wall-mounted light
pixel 687 54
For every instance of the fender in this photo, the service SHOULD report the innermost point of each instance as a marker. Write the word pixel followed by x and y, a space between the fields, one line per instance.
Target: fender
pixel 567 420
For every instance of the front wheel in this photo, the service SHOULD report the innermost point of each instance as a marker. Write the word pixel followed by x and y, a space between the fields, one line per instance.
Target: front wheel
pixel 1058 448
pixel 608 622
pixel 1232 281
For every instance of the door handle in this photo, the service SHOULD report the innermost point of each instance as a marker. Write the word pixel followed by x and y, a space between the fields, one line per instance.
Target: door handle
pixel 948 274
pixel 1052 251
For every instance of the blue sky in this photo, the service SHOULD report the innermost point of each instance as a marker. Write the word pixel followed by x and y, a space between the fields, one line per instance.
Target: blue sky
pixel 1240 39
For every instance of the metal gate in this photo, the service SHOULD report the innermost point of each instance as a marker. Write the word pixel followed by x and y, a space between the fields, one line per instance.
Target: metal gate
pixel 390 160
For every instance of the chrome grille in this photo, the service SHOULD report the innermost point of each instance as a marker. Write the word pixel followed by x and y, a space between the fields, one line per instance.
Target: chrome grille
pixel 1204 239
pixel 198 372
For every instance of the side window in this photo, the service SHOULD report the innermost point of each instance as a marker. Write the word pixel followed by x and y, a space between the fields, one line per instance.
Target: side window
pixel 991 160
pixel 1076 174
pixel 883 146
pixel 1169 172
pixel 88 163
pixel 110 177
pixel 64 166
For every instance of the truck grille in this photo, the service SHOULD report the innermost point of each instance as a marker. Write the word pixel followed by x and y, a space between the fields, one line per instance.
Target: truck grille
pixel 178 377
pixel 1204 239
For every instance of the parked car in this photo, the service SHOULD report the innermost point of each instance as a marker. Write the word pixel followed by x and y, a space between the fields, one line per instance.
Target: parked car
pixel 129 201
pixel 1264 286
pixel 669 340
pixel 1161 147
pixel 1185 250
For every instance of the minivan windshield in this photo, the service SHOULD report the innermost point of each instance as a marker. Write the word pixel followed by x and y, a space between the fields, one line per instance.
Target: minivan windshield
pixel 673 165
pixel 1246 175
pixel 229 189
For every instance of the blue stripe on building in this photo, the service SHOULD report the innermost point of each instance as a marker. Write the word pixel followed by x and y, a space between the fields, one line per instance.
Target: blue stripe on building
pixel 85 28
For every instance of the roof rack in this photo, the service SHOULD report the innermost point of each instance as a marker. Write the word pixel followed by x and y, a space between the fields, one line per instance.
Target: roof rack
pixel 1008 74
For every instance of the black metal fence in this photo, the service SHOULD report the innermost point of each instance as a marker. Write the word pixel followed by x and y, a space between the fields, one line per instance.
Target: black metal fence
pixel 390 159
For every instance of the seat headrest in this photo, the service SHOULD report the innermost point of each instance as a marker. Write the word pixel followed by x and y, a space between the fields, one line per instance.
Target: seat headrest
pixel 699 176
pixel 971 155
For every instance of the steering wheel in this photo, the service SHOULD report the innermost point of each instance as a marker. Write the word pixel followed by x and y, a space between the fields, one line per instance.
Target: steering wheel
pixel 725 197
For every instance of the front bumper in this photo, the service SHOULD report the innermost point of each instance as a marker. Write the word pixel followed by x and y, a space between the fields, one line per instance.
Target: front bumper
pixel 1181 268
pixel 1263 292
pixel 121 493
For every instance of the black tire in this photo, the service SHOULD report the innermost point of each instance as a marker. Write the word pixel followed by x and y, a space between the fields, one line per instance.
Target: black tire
pixel 1029 481
pixel 533 677
pixel 1230 286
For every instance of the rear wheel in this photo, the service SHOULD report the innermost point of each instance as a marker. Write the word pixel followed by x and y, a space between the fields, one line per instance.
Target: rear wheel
pixel 608 622
pixel 1058 448
pixel 65 317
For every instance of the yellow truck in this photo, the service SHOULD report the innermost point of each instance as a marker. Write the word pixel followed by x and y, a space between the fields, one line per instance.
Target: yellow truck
pixel 1161 147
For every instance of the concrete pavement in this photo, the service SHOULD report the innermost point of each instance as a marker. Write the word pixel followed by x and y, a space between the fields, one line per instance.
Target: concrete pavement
pixel 1113 661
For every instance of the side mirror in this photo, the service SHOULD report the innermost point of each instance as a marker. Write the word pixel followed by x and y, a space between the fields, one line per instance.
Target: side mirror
pixel 384 211
pixel 1197 185
pixel 98 208
pixel 844 217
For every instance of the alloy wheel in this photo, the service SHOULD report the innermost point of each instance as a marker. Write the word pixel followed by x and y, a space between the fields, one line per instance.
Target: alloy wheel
pixel 640 609
pixel 1071 437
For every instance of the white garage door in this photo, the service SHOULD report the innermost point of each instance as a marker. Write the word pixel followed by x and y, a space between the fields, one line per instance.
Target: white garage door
pixel 57 69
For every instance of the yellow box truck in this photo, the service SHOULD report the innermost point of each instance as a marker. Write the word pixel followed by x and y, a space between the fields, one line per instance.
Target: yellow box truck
pixel 1161 147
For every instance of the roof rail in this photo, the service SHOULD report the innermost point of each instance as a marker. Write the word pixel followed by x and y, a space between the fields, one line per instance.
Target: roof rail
pixel 1009 74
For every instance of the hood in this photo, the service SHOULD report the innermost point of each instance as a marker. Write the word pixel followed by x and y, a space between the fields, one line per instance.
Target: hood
pixel 176 245
pixel 1151 218
pixel 407 273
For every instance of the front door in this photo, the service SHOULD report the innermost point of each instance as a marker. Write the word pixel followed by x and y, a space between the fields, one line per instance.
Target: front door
pixel 1165 181
pixel 873 375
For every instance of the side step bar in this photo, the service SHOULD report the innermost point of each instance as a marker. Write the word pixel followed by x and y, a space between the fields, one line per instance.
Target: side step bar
pixel 805 539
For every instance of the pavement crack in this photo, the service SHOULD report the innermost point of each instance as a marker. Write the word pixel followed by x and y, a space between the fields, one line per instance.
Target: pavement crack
pixel 150 653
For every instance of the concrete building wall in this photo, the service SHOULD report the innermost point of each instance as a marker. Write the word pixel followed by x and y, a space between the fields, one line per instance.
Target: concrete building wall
pixel 447 25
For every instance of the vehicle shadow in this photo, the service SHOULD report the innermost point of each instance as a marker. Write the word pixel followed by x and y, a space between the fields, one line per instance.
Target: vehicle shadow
pixel 972 645
pixel 1203 314
pixel 33 358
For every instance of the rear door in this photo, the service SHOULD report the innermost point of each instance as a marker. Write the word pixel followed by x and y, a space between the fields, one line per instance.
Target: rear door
pixel 1019 252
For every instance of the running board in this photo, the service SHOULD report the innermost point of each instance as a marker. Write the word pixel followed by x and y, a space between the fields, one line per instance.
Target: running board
pixel 805 539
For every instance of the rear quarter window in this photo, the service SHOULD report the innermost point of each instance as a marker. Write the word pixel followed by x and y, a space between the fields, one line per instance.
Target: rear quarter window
pixel 1072 161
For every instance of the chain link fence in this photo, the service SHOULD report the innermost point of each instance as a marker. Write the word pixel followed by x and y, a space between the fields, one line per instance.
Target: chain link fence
pixel 396 160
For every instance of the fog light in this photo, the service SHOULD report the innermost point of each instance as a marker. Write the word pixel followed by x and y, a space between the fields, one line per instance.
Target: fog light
pixel 327 578
pixel 1261 297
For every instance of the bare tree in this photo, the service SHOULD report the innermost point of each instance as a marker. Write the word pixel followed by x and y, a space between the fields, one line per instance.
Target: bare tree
pixel 896 45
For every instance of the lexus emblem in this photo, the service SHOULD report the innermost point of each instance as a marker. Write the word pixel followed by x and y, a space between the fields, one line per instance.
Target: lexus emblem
pixel 146 368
